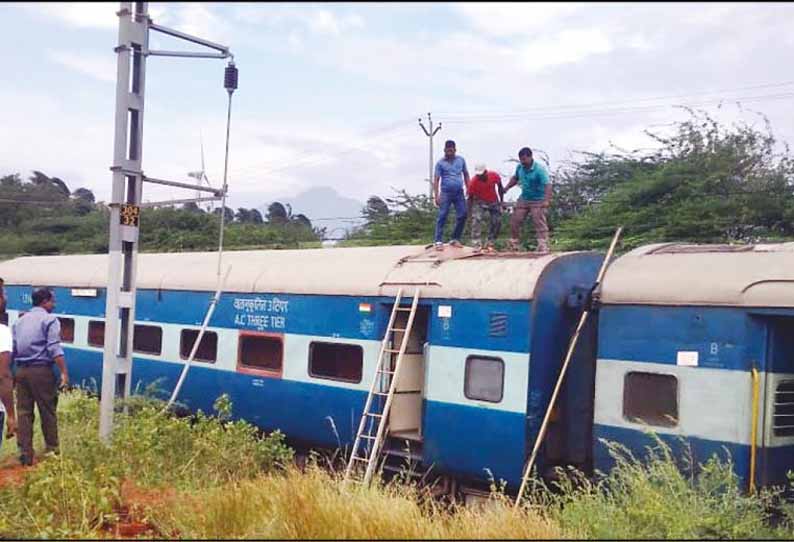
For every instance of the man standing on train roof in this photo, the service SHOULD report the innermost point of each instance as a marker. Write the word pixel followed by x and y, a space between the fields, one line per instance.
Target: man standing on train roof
pixel 453 175
pixel 7 414
pixel 37 349
pixel 534 199
pixel 485 193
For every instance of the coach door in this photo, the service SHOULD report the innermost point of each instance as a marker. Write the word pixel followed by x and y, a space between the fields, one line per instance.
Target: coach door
pixel 775 434
pixel 405 416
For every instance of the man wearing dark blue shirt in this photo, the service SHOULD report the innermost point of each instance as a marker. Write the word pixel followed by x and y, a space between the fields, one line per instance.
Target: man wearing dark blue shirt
pixel 453 175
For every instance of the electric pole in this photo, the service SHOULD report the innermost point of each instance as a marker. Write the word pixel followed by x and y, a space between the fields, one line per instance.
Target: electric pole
pixel 430 133
pixel 126 203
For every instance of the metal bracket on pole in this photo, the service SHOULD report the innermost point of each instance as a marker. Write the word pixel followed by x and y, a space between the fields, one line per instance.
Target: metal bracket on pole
pixel 186 54
pixel 125 205
pixel 193 39
pixel 179 201
pixel 215 191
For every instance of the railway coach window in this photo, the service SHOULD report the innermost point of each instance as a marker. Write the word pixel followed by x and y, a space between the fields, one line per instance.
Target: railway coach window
pixel 261 352
pixel 783 418
pixel 484 379
pixel 207 350
pixel 336 361
pixel 147 340
pixel 67 329
pixel 651 398
pixel 96 333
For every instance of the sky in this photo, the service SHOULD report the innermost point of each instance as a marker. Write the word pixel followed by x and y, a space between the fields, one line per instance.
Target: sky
pixel 329 94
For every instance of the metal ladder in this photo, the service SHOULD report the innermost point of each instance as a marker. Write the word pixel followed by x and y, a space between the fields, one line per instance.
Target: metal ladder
pixel 374 419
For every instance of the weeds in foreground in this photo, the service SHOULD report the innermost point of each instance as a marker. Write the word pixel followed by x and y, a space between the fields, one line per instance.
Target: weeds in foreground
pixel 225 482
pixel 75 493
pixel 654 497
pixel 318 504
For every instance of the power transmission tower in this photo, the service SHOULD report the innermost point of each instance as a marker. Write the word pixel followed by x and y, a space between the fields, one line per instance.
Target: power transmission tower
pixel 430 133
pixel 125 206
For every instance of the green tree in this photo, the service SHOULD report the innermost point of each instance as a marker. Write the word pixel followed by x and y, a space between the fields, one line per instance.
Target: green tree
pixel 277 213
pixel 706 183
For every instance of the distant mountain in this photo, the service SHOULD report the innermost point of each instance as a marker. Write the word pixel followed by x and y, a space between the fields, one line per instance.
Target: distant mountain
pixel 323 202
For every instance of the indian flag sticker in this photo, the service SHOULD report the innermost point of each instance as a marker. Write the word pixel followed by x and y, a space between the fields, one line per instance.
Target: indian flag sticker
pixel 364 307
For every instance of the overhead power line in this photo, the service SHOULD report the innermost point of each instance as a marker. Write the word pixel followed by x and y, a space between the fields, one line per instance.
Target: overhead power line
pixel 616 102
pixel 513 117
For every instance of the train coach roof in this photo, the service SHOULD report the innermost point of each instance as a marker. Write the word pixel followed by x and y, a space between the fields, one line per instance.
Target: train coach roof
pixel 679 274
pixel 359 271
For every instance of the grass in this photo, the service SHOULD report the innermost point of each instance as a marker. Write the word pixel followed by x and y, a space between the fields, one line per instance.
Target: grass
pixel 209 477
pixel 317 504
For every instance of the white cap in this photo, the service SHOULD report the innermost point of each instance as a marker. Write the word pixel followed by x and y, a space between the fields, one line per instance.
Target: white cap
pixel 479 169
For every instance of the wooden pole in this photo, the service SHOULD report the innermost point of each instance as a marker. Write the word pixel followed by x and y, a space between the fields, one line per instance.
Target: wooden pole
pixel 568 356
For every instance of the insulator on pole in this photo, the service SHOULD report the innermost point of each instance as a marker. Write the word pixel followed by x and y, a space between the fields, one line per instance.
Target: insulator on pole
pixel 230 78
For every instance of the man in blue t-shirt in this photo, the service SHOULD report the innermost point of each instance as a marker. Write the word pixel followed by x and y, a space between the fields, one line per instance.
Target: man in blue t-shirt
pixel 454 176
pixel 534 200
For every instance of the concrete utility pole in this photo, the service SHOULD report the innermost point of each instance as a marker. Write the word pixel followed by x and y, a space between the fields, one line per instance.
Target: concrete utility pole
pixel 430 133
pixel 128 178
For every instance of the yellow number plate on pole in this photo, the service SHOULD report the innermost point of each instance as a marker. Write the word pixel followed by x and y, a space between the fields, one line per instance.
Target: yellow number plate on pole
pixel 130 215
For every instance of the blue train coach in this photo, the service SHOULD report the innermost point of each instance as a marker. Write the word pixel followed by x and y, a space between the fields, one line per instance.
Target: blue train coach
pixel 297 333
pixel 697 341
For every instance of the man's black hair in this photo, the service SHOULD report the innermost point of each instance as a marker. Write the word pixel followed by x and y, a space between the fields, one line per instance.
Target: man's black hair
pixel 525 151
pixel 42 295
pixel 449 144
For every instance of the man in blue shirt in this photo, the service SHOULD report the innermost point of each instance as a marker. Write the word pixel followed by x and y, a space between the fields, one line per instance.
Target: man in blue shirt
pixel 454 176
pixel 37 349
pixel 534 200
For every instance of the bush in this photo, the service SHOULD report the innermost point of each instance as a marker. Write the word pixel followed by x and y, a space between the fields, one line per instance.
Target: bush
pixel 654 498
pixel 60 499
pixel 196 452
pixel 75 493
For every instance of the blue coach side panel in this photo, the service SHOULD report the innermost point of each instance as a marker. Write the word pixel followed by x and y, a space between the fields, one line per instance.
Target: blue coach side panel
pixel 687 334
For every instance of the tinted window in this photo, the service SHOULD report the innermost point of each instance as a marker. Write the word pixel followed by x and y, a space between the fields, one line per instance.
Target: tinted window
pixel 148 340
pixel 651 398
pixel 261 352
pixel 484 379
pixel 67 329
pixel 96 333
pixel 207 350
pixel 336 361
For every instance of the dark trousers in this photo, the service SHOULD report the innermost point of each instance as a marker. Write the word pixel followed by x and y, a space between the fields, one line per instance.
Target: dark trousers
pixel 36 385
pixel 451 199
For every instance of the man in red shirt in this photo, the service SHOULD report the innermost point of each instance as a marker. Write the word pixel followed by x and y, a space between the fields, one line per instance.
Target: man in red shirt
pixel 485 192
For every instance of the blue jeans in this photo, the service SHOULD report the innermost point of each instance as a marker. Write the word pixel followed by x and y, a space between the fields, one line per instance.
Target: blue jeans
pixel 448 199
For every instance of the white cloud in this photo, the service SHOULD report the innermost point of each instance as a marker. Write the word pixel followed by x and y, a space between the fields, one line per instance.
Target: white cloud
pixel 501 19
pixel 567 46
pixel 95 15
pixel 289 18
pixel 79 14
pixel 100 67
pixel 324 22
pixel 199 20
